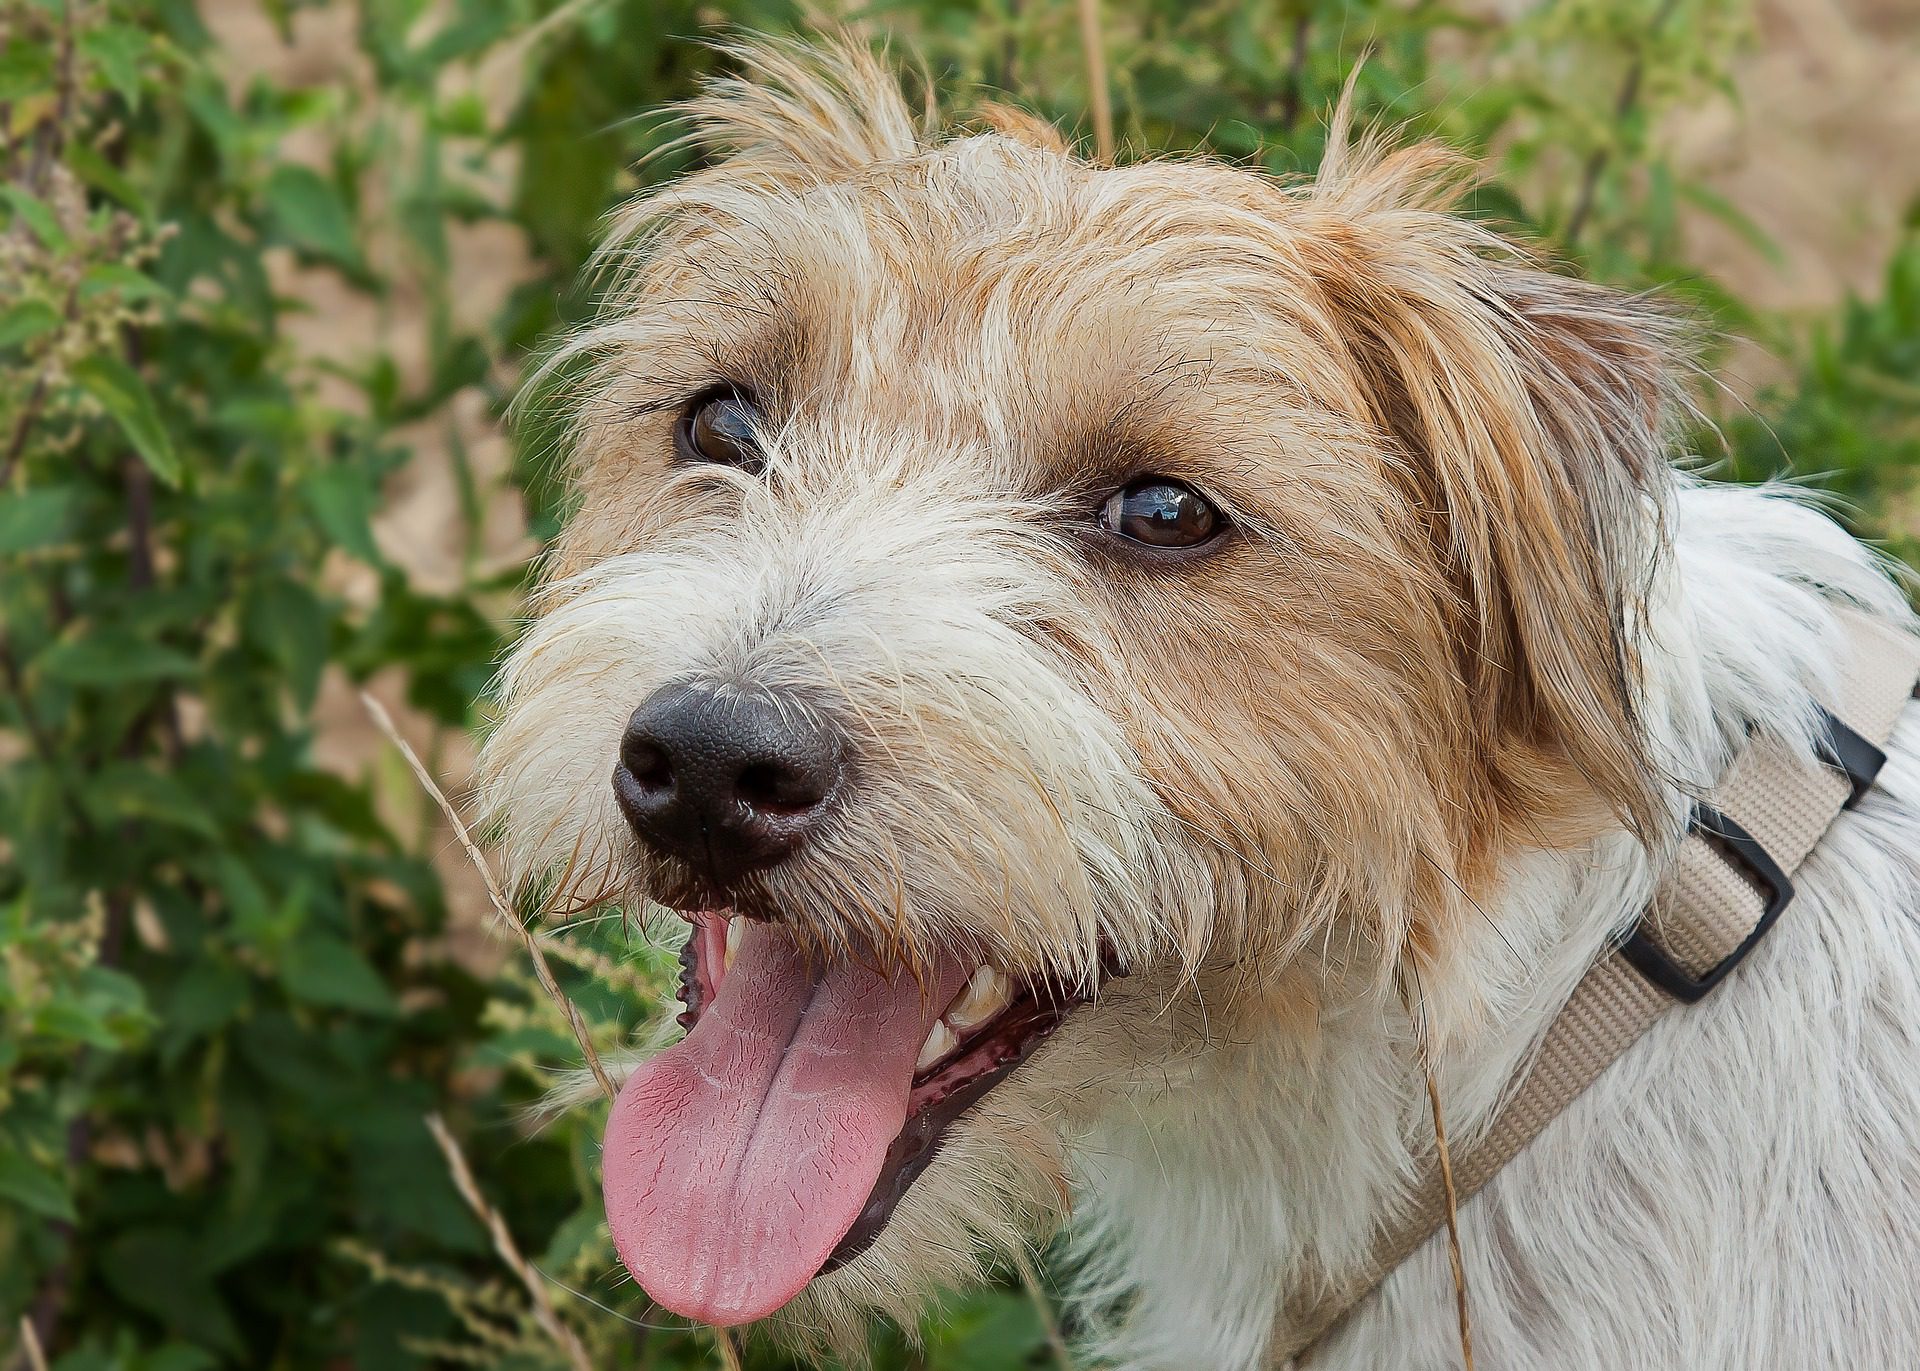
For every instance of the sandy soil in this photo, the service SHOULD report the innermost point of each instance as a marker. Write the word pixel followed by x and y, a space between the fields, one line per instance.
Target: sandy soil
pixel 1821 150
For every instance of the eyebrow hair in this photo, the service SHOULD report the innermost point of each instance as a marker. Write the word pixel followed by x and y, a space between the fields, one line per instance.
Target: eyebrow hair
pixel 672 370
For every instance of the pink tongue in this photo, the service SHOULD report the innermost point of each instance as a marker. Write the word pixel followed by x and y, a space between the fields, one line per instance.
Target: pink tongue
pixel 735 1161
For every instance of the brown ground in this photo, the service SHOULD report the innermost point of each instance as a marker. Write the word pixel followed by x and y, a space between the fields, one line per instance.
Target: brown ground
pixel 1821 149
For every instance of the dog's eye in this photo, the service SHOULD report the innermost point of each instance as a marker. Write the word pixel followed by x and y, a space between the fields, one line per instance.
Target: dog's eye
pixel 1161 513
pixel 718 427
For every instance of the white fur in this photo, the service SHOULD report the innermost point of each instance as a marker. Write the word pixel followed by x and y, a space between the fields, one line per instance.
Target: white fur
pixel 1248 1106
pixel 1740 1190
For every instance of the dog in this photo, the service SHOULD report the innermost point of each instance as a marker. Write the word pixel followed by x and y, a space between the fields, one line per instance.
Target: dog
pixel 1126 673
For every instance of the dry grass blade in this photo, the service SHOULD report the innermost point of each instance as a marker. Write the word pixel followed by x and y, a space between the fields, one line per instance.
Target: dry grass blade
pixel 1093 39
pixel 384 722
pixel 32 1354
pixel 1030 1278
pixel 1453 1222
pixel 543 1311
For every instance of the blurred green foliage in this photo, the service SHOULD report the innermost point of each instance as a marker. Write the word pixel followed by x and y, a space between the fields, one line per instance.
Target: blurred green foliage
pixel 226 1005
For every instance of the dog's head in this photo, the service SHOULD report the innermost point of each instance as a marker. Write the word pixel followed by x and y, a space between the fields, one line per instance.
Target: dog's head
pixel 1011 599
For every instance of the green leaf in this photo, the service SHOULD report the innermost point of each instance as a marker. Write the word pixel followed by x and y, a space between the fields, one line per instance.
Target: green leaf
pixel 180 1356
pixel 342 501
pixel 578 1233
pixel 37 518
pixel 26 321
pixel 117 1001
pixel 158 1270
pixel 35 1187
pixel 127 282
pixel 97 172
pixel 111 657
pixel 987 1331
pixel 1736 219
pixel 117 50
pixel 26 69
pixel 325 970
pixel 290 624
pixel 394 1158
pixel 129 791
pixel 72 1022
pixel 125 397
pixel 207 101
pixel 34 213
pixel 308 212
pixel 257 921
pixel 209 995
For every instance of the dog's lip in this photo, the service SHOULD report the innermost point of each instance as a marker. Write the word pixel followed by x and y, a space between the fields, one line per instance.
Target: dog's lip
pixel 941 1094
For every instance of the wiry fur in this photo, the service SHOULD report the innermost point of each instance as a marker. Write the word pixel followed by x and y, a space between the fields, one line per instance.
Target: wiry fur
pixel 1426 724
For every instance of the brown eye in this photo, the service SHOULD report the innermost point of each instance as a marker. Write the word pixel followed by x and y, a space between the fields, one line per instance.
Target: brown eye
pixel 1161 513
pixel 718 427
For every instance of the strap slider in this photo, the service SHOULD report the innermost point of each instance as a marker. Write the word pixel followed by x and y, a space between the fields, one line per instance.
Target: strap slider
pixel 1844 750
pixel 1743 850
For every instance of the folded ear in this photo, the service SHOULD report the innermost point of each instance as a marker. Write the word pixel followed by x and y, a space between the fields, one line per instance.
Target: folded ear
pixel 1531 414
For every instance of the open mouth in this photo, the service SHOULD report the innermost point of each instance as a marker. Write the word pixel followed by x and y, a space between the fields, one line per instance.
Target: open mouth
pixel 773 1143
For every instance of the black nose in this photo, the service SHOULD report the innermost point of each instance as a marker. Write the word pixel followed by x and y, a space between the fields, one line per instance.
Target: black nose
pixel 727 781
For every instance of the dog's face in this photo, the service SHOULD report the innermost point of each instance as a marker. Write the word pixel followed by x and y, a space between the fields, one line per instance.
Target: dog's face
pixel 1014 603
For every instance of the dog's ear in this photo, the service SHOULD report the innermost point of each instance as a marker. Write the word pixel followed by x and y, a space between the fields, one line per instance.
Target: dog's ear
pixel 1530 414
pixel 818 111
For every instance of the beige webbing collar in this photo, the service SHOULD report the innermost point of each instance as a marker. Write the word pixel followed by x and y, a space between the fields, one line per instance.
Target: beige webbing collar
pixel 1730 879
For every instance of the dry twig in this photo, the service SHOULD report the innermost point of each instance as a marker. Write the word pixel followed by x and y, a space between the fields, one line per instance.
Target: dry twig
pixel 501 907
pixel 1453 1221
pixel 1094 41
pixel 544 1313
pixel 31 1352
pixel 1030 1278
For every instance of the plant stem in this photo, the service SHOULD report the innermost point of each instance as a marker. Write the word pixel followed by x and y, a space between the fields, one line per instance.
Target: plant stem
pixel 37 397
pixel 17 444
pixel 502 907
pixel 1092 39
pixel 1622 106
pixel 1293 97
pixel 31 1353
pixel 52 133
pixel 1010 49
pixel 544 1313
pixel 1030 1278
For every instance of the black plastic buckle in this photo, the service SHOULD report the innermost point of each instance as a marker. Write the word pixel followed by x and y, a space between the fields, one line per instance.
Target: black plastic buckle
pixel 1740 848
pixel 1844 750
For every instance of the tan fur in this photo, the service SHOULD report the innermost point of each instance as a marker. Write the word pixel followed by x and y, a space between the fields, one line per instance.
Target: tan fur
pixel 1298 757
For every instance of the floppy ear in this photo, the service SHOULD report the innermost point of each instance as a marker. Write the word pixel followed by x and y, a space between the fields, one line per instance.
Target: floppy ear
pixel 1531 414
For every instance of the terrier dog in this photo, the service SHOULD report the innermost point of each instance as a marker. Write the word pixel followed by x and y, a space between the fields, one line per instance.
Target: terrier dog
pixel 1124 670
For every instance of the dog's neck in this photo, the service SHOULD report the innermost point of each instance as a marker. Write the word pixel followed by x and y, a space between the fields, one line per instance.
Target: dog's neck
pixel 1318 1136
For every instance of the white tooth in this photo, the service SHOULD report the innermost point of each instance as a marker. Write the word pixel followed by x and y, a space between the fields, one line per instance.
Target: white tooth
pixel 986 994
pixel 939 1042
pixel 735 928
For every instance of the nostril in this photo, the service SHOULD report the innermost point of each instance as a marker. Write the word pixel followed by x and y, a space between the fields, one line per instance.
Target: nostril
pixel 725 780
pixel 777 788
pixel 647 762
